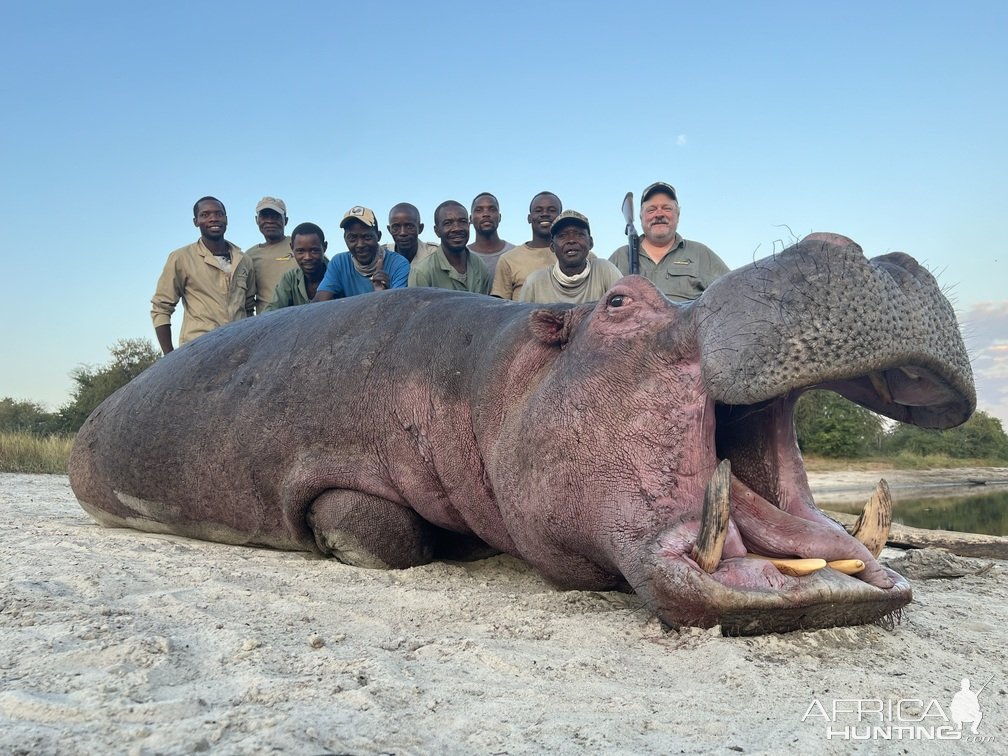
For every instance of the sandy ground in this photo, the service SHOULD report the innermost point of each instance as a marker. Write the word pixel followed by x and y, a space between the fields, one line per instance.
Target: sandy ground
pixel 117 641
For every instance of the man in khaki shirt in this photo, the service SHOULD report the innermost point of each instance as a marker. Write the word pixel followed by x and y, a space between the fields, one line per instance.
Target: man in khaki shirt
pixel 272 258
pixel 405 227
pixel 517 264
pixel 212 277
pixel 680 268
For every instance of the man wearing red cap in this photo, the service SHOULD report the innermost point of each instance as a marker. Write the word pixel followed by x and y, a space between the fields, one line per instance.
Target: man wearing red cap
pixel 680 268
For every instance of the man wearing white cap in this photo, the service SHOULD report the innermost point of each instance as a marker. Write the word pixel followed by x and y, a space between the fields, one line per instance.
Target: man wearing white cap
pixel 364 267
pixel 680 268
pixel 273 258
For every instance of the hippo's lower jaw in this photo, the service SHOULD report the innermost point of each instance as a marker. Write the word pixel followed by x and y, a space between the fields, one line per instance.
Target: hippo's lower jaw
pixel 714 570
pixel 730 581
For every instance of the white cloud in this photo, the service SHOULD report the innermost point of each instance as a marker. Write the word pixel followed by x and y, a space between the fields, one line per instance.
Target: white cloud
pixel 985 329
pixel 680 140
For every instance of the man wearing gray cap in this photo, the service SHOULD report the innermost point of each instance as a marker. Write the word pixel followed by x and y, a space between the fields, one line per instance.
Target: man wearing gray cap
pixel 577 276
pixel 680 268
pixel 273 258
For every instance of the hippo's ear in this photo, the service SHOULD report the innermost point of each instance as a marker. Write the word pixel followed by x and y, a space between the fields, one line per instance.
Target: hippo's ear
pixel 551 327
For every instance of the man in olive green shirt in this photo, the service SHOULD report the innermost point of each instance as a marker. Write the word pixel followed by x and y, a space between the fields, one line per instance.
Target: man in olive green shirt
pixel 452 266
pixel 300 284
pixel 517 264
pixel 212 278
pixel 272 258
pixel 680 268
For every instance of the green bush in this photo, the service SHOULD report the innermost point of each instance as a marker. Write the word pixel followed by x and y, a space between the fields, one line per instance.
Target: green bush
pixel 980 437
pixel 130 357
pixel 829 425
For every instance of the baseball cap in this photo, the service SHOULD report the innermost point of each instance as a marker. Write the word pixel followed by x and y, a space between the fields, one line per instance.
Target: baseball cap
pixel 569 218
pixel 659 186
pixel 359 213
pixel 272 203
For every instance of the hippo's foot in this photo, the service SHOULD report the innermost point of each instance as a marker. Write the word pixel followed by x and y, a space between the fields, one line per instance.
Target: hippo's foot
pixel 369 531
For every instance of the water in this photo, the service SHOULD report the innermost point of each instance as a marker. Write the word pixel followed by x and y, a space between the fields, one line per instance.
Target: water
pixel 983 511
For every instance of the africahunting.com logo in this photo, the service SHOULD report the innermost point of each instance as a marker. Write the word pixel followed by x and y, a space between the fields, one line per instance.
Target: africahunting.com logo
pixel 903 718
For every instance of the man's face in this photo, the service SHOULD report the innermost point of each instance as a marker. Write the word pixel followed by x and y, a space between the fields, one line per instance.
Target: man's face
pixel 362 241
pixel 571 245
pixel 405 227
pixel 308 250
pixel 485 215
pixel 271 224
pixel 211 220
pixel 545 209
pixel 660 218
pixel 452 228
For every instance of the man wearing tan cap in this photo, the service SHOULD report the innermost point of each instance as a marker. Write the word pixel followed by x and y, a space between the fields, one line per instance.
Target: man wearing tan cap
pixel 680 268
pixel 365 267
pixel 576 276
pixel 515 265
pixel 273 257
pixel 212 278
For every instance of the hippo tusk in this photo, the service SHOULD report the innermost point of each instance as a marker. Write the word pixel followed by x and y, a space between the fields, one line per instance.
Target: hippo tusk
pixel 714 522
pixel 872 527
pixel 881 385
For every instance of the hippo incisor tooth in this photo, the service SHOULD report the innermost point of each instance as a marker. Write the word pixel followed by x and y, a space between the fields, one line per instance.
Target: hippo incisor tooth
pixel 793 567
pixel 878 380
pixel 714 521
pixel 872 527
pixel 847 566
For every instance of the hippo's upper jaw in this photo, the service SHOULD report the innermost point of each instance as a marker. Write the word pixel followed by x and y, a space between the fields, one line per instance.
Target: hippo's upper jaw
pixel 818 315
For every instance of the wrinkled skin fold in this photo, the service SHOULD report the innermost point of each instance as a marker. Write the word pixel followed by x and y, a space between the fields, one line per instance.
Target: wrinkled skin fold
pixel 390 429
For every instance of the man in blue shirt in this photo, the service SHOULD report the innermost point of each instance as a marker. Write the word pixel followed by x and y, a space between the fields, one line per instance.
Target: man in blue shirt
pixel 365 267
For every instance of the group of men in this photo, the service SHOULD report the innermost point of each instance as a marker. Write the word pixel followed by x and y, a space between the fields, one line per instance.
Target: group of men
pixel 218 283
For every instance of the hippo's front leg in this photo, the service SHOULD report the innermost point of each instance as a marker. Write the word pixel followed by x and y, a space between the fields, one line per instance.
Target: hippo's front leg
pixel 368 531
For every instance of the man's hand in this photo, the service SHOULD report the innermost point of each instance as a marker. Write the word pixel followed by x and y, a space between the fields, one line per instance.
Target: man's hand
pixel 380 280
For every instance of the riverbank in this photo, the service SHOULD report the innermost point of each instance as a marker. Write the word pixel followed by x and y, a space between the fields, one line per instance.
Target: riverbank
pixel 113 640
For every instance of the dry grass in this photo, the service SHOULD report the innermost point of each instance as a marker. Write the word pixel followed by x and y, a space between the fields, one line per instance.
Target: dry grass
pixel 25 453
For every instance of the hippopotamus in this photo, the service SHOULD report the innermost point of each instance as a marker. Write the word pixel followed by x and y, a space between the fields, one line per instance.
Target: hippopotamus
pixel 630 444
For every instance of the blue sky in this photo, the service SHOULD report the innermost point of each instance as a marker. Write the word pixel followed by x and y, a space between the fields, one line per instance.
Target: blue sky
pixel 882 121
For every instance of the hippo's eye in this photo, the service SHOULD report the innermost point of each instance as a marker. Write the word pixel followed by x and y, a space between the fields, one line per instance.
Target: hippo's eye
pixel 618 300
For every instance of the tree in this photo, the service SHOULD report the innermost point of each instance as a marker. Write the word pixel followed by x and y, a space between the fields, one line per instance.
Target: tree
pixel 832 426
pixel 26 417
pixel 980 437
pixel 130 357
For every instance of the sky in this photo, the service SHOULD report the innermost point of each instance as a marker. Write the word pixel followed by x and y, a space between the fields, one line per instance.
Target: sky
pixel 885 122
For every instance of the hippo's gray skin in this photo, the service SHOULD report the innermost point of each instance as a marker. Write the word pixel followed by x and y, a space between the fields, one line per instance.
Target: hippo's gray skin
pixel 581 439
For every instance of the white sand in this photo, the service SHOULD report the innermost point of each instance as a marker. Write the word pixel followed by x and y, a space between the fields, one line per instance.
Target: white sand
pixel 119 641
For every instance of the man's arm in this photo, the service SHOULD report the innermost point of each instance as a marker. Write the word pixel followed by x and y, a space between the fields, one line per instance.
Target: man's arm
pixel 167 294
pixel 163 333
pixel 251 288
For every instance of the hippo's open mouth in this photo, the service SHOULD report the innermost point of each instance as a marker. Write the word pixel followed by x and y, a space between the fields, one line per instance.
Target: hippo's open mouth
pixel 778 563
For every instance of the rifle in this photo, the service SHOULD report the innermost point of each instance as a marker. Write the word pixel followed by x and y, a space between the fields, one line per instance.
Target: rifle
pixel 633 243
